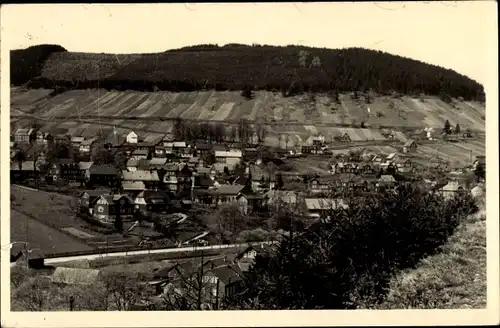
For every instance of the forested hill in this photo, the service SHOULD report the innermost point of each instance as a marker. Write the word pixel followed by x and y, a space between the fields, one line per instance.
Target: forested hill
pixel 290 70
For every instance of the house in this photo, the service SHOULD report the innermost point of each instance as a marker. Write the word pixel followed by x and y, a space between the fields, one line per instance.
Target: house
pixel 479 161
pixel 133 186
pixel 140 154
pixel 367 169
pixel 379 159
pixel 159 152
pixel 250 202
pixel 343 137
pixel 106 208
pixel 24 170
pixel 76 141
pixel 132 164
pixel 180 148
pixel 132 138
pixel 43 138
pixel 316 207
pixel 103 175
pixel 251 252
pixel 74 276
pixel 386 181
pixel 281 197
pixel 203 149
pixel 391 157
pixel 150 178
pixel 221 195
pixel 451 189
pixel 85 148
pixel 410 146
pixel 403 165
pixel 321 184
pixel 230 158
pixel 88 197
pixel 24 136
pixel 152 201
pixel 203 182
pixel 157 162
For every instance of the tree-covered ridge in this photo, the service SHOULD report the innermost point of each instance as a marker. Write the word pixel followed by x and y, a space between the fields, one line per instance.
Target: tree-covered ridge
pixel 291 70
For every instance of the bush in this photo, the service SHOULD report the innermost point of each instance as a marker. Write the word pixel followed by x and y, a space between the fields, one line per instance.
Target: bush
pixel 341 262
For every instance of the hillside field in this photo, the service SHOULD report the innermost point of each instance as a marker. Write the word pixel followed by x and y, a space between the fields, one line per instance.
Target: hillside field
pixel 77 112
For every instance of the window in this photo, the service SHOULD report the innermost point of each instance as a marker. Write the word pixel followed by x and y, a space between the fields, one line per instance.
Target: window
pixel 100 209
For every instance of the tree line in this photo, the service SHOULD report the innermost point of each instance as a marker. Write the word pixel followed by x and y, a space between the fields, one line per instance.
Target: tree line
pixel 290 70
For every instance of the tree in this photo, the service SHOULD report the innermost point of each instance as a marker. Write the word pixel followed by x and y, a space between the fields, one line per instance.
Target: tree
pixel 447 127
pixel 457 129
pixel 124 288
pixel 316 62
pixel 279 181
pixel 20 157
pixel 179 128
pixel 261 132
pixel 247 92
pixel 480 172
pixel 337 262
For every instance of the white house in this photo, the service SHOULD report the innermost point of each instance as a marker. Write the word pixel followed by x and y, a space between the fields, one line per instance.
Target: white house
pixel 132 137
pixel 230 158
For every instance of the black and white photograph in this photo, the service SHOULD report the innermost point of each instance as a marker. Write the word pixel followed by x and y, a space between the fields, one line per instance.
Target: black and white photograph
pixel 249 156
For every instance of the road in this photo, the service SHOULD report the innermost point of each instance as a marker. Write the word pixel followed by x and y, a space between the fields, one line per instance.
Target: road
pixel 147 252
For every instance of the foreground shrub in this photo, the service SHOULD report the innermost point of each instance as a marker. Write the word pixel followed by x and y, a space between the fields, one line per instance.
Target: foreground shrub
pixel 347 258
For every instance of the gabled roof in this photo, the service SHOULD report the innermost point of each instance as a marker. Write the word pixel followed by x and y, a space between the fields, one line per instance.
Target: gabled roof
pixel 228 274
pixel 157 161
pixel 180 144
pixel 140 152
pixel 203 146
pixel 85 165
pixel 226 189
pixel 387 178
pixel 92 193
pixel 89 142
pixel 133 186
pixel 409 143
pixel 103 169
pixel 230 153
pixel 132 162
pixel 323 203
pixel 140 175
pixel 77 139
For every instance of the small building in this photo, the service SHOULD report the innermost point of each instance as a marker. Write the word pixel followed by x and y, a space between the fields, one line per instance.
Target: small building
pixel 343 137
pixel 88 197
pixel 103 175
pixel 152 201
pixel 203 149
pixel 21 171
pixel 479 161
pixel 223 194
pixel 403 165
pixel 76 141
pixel 180 148
pixel 410 146
pixel 150 178
pixel 159 152
pixel 229 158
pixel 386 181
pixel 132 138
pixel 24 136
pixel 317 207
pixel 249 202
pixel 451 189
pixel 43 138
pixel 139 154
pixel 85 148
pixel 107 207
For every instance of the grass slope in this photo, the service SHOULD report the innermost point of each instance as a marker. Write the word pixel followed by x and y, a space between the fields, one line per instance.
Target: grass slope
pixel 455 278
pixel 78 107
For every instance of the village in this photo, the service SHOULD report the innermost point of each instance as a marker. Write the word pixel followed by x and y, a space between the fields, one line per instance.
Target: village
pixel 126 183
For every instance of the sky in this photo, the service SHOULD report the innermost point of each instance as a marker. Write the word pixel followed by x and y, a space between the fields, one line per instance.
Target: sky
pixel 458 35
